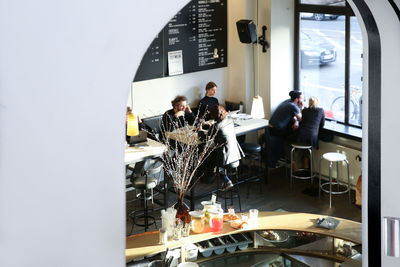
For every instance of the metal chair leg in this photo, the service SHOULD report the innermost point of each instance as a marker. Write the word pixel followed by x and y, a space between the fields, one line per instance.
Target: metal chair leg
pixel 337 176
pixel 291 168
pixel 330 184
pixel 319 184
pixel 145 212
pixel 311 166
pixel 348 179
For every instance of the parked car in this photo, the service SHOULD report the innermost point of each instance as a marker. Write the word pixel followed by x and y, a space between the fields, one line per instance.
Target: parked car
pixel 318 16
pixel 315 52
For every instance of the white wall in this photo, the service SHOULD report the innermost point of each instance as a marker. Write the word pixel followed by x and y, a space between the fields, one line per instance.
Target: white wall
pixel 153 97
pixel 237 53
pixel 65 71
pixel 282 40
pixel 389 29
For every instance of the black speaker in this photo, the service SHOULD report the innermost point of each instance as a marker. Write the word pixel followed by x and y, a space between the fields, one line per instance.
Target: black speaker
pixel 247 31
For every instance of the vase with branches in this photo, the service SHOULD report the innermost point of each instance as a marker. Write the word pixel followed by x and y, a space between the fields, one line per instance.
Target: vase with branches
pixel 184 155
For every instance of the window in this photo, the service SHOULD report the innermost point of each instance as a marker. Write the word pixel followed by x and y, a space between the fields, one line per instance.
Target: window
pixel 325 2
pixel 328 57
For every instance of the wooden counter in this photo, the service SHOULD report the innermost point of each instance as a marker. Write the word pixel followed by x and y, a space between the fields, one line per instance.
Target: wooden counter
pixel 147 243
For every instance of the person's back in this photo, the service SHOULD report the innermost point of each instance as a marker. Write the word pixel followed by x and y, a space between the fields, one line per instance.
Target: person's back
pixel 228 150
pixel 283 121
pixel 282 117
pixel 313 119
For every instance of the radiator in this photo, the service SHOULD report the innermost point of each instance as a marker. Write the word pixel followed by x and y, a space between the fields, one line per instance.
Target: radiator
pixel 351 149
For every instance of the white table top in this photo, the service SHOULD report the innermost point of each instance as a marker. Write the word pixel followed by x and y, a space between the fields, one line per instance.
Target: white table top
pixel 141 151
pixel 189 136
pixel 249 125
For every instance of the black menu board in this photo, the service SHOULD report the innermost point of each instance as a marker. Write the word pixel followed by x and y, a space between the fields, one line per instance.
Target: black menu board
pixel 198 33
pixel 152 65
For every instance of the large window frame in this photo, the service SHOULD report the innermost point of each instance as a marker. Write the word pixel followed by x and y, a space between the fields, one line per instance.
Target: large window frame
pixel 334 10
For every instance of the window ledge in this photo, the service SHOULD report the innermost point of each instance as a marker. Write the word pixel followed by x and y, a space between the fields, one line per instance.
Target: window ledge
pixel 342 130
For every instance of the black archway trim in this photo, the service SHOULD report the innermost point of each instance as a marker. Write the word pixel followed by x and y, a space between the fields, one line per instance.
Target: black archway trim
pixel 395 8
pixel 374 135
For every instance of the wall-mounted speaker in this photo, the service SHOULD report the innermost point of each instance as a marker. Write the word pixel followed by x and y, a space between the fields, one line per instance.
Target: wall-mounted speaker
pixel 247 31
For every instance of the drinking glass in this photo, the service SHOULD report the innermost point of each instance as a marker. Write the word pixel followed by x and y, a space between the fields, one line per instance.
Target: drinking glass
pixel 253 214
pixel 216 220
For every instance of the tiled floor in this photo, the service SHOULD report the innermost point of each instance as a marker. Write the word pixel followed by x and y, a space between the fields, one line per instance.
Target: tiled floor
pixel 276 195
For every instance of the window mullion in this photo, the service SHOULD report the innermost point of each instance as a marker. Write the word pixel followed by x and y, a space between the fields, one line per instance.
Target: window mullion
pixel 347 71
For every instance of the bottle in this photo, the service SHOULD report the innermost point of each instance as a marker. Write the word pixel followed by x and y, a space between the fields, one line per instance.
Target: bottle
pixel 240 107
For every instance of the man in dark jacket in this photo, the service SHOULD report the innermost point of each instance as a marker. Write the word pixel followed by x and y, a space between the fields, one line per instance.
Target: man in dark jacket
pixel 179 115
pixel 283 121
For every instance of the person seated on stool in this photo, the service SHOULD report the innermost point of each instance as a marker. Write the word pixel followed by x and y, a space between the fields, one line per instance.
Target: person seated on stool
pixel 284 121
pixel 228 150
pixel 179 115
pixel 208 101
pixel 313 119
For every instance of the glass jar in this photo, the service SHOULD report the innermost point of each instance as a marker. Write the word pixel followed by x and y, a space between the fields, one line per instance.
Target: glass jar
pixel 216 219
pixel 197 223
pixel 207 205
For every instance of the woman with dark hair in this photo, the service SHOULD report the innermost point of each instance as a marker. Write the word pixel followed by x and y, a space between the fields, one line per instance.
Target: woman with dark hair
pixel 208 101
pixel 179 115
pixel 229 150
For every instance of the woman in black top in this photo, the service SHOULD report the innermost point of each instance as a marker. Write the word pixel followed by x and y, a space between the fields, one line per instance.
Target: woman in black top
pixel 313 119
pixel 208 101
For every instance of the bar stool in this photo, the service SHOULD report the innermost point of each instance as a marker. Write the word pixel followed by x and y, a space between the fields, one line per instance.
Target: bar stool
pixel 332 157
pixel 252 152
pixel 301 173
pixel 231 169
pixel 145 182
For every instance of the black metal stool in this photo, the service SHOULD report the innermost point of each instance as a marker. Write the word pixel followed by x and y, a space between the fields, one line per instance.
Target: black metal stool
pixel 231 169
pixel 253 153
pixel 145 182
pixel 302 173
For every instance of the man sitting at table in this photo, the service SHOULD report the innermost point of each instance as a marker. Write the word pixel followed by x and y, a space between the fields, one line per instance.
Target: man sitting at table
pixel 179 115
pixel 282 124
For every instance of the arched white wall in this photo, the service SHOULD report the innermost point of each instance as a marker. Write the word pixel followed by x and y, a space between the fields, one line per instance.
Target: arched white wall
pixel 65 73
pixel 389 32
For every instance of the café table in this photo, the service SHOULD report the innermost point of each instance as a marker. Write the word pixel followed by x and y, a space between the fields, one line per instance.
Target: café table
pixel 144 150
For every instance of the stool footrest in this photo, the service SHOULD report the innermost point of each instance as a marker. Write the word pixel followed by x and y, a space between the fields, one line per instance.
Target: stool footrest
pixel 302 174
pixel 151 220
pixel 346 190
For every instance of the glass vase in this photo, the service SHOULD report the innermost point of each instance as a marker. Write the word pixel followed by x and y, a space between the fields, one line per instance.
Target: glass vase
pixel 182 210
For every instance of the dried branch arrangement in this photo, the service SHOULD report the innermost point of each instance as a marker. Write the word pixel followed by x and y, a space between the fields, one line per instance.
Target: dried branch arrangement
pixel 185 153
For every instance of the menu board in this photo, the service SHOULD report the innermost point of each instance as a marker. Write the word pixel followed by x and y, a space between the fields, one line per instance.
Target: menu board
pixel 152 65
pixel 197 33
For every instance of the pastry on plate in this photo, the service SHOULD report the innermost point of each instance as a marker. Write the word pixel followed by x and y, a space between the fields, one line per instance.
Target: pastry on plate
pixel 230 217
pixel 239 224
